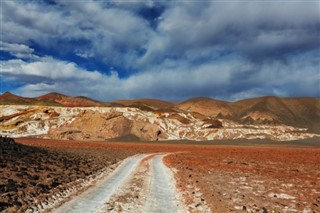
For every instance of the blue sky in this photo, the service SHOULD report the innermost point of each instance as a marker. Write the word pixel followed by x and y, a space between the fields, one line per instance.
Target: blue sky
pixel 171 50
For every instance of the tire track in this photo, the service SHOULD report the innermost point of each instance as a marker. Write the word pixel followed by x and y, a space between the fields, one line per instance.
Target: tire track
pixel 163 196
pixel 141 183
pixel 132 196
pixel 95 197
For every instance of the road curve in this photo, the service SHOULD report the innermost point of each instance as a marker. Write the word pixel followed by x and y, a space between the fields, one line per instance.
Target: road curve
pixel 95 197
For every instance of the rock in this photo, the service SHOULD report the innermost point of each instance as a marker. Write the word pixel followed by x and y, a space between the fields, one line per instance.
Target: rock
pixel 264 210
pixel 200 208
pixel 20 193
pixel 213 123
pixel 198 194
pixel 11 185
pixel 4 205
pixel 199 204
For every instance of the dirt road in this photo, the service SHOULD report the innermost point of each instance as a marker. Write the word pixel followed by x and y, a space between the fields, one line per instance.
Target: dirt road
pixel 155 189
pixel 212 178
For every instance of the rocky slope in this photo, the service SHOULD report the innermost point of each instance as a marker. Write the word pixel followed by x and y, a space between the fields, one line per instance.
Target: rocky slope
pixel 59 116
pixel 101 123
pixel 298 112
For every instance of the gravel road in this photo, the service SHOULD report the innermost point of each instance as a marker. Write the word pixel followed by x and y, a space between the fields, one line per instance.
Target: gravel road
pixel 162 191
pixel 159 189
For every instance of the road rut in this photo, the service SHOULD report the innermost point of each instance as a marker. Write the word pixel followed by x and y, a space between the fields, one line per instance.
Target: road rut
pixel 157 193
pixel 95 197
pixel 162 188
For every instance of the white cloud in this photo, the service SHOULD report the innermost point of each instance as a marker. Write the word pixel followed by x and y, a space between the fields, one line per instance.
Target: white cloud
pixel 220 49
pixel 113 35
pixel 224 79
pixel 46 68
pixel 117 35
pixel 18 50
pixel 253 29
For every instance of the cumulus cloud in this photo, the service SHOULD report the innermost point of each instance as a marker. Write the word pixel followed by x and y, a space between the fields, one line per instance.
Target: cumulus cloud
pixel 257 30
pixel 46 68
pixel 219 80
pixel 111 34
pixel 18 50
pixel 168 50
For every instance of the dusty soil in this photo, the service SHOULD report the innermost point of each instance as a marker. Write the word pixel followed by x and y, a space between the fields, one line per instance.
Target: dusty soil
pixel 31 175
pixel 228 178
pixel 264 179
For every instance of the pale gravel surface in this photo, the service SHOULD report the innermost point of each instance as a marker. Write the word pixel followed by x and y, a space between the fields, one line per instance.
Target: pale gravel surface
pixel 112 193
pixel 162 194
pixel 94 198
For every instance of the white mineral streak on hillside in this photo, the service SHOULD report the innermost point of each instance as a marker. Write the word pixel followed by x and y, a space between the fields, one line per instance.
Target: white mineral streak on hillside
pixel 109 122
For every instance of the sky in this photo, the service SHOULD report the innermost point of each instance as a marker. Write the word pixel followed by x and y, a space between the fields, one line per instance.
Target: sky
pixel 169 50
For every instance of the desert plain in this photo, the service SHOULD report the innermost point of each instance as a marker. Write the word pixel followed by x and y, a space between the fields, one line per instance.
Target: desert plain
pixel 74 154
pixel 246 176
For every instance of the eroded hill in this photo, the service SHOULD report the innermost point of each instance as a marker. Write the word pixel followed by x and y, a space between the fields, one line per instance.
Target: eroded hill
pixel 101 123
pixel 63 117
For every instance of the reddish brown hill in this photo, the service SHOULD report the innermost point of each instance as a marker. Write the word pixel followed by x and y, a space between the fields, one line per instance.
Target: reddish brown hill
pixel 306 111
pixel 147 104
pixel 207 106
pixel 8 98
pixel 68 101
pixel 299 112
pixel 303 112
pixel 263 109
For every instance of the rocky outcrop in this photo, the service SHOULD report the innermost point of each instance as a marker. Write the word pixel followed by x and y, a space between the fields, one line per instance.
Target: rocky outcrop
pixel 8 145
pixel 213 123
pixel 103 123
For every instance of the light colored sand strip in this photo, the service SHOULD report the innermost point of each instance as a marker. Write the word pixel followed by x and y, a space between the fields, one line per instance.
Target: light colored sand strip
pixel 163 195
pixel 94 198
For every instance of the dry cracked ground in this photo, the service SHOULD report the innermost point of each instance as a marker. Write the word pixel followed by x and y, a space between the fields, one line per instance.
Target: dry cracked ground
pixel 73 176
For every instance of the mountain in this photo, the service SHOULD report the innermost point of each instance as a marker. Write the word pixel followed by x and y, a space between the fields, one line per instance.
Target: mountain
pixel 300 112
pixel 148 104
pixel 8 98
pixel 79 101
pixel 104 123
pixel 207 106
pixel 268 111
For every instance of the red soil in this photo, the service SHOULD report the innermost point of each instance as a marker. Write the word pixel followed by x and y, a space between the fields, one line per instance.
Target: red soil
pixel 251 178
pixel 233 178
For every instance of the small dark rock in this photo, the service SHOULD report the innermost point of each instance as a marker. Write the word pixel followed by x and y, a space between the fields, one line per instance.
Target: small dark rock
pixel 11 185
